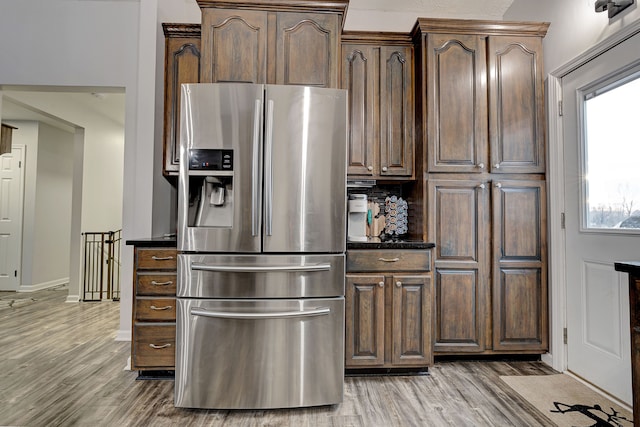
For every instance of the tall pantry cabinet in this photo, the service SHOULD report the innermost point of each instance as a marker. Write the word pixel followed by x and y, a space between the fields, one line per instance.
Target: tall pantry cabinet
pixel 480 111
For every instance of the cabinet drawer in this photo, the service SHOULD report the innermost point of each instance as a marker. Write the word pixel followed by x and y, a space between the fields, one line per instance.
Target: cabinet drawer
pixel 155 309
pixel 156 259
pixel 154 346
pixel 156 284
pixel 389 260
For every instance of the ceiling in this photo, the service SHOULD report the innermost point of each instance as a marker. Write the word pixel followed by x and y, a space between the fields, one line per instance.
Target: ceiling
pixel 61 109
pixel 400 15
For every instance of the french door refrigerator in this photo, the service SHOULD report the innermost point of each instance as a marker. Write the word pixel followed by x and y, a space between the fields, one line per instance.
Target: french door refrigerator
pixel 261 236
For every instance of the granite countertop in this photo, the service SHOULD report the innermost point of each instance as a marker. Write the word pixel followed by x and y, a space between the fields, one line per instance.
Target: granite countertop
pixel 390 244
pixel 632 267
pixel 170 241
pixel 163 241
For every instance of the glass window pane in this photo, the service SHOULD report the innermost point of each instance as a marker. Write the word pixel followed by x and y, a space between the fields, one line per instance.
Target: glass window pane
pixel 612 156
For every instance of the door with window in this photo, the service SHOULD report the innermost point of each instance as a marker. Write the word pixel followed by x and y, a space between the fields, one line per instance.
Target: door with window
pixel 601 101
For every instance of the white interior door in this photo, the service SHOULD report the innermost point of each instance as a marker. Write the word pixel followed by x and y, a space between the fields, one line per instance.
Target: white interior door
pixel 602 188
pixel 11 203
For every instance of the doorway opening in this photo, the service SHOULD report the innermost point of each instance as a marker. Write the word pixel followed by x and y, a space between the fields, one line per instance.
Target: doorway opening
pixel 73 176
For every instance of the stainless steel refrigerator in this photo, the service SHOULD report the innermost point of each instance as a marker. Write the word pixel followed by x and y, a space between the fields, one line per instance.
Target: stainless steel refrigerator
pixel 261 235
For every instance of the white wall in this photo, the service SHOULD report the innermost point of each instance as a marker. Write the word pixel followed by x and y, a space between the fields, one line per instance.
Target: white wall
pixel 47 204
pixel 103 160
pixel 575 26
pixel 52 223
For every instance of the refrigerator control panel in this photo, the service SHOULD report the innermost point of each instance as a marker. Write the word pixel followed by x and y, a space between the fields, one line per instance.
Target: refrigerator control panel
pixel 211 160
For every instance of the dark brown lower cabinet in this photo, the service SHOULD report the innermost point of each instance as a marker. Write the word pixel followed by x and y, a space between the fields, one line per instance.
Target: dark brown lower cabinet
pixel 490 267
pixel 388 319
pixel 153 335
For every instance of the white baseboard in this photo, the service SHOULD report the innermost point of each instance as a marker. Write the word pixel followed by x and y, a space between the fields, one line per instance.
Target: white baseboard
pixel 123 335
pixel 72 298
pixel 44 285
pixel 547 359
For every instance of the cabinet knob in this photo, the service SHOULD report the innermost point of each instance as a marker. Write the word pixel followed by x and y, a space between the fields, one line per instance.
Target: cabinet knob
pixel 481 186
pixel 384 169
pixel 369 168
pixel 480 165
pixel 497 166
pixel 381 284
pixel 398 284
pixel 498 185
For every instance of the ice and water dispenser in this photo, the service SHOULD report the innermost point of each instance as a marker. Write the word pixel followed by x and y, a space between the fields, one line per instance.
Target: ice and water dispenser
pixel 210 188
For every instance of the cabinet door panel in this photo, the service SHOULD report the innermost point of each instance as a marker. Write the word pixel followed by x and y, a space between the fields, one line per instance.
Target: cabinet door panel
pixel 460 311
pixel 457 117
pixel 520 265
pixel 234 46
pixel 459 224
pixel 182 65
pixel 307 50
pixel 516 91
pixel 520 301
pixel 359 76
pixel 364 311
pixel 519 221
pixel 396 111
pixel 411 314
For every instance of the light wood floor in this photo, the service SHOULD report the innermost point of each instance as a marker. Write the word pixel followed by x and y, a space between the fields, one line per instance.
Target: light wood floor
pixel 60 366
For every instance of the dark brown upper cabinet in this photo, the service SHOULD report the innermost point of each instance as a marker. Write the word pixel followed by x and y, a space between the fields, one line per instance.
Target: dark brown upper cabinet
pixel 377 70
pixel 274 42
pixel 480 95
pixel 182 65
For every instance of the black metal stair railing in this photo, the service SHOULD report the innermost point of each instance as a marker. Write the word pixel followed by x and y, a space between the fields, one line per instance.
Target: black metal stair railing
pixel 101 265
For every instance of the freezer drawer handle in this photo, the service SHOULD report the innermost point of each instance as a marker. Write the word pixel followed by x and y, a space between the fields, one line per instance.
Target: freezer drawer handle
pixel 253 269
pixel 320 311
pixel 158 347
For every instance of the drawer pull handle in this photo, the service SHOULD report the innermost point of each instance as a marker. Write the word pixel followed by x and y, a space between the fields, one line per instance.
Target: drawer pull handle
pixel 158 347
pixel 389 259
pixel 167 283
pixel 166 307
pixel 161 258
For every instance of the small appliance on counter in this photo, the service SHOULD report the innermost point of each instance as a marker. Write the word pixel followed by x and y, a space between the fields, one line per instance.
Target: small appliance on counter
pixel 357 223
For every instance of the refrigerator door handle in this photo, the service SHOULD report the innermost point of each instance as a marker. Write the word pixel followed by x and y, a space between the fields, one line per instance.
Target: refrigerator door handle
pixel 320 311
pixel 268 170
pixel 255 172
pixel 258 268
